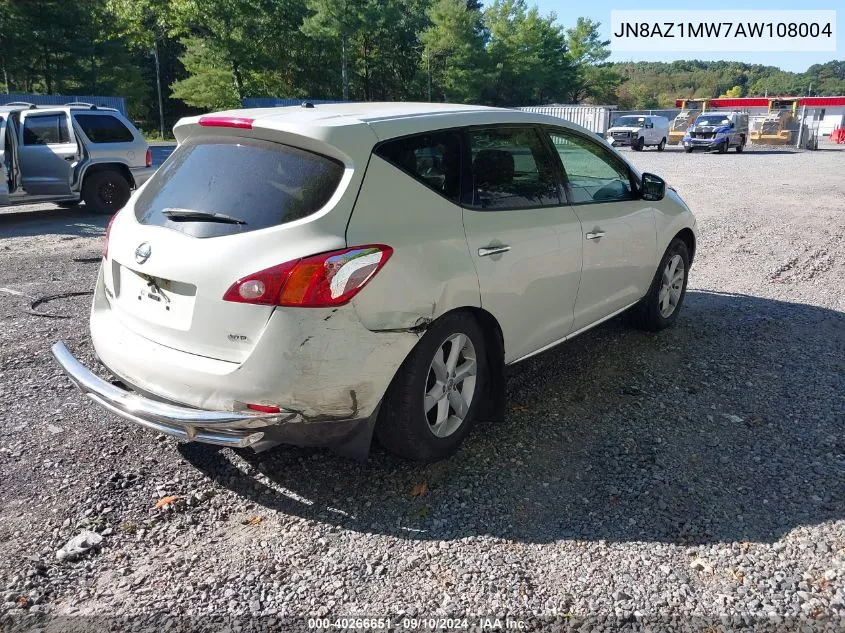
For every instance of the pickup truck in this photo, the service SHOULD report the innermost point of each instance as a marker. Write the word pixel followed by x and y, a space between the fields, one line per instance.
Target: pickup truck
pixel 65 154
pixel 717 131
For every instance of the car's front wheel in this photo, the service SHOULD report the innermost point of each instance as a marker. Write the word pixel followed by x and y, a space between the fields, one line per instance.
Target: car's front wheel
pixel 660 307
pixel 638 144
pixel 434 398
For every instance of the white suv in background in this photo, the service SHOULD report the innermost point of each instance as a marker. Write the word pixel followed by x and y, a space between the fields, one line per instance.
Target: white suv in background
pixel 312 275
pixel 639 131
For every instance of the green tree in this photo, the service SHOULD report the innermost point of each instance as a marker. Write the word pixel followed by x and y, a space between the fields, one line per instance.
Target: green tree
pixel 336 20
pixel 453 52
pixel 594 78
pixel 209 82
pixel 528 55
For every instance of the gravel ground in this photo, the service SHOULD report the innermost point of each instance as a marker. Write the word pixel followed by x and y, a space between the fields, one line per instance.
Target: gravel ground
pixel 692 479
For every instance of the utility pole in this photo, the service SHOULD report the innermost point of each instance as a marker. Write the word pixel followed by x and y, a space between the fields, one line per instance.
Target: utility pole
pixel 428 63
pixel 344 72
pixel 158 86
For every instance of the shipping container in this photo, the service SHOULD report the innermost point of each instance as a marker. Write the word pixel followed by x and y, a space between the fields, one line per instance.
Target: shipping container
pixel 594 118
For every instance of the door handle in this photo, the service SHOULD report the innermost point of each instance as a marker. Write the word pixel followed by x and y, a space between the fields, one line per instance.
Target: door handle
pixel 70 159
pixel 493 250
pixel 594 235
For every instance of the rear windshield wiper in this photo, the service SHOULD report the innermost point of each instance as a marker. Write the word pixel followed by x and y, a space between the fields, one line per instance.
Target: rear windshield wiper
pixel 189 215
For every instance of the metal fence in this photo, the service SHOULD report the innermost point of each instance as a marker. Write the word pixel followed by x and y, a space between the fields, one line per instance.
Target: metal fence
pixel 118 103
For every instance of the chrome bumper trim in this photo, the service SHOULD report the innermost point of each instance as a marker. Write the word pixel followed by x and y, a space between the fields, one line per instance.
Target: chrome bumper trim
pixel 225 428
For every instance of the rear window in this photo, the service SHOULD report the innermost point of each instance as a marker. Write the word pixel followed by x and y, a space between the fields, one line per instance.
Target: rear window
pixel 239 184
pixel 104 128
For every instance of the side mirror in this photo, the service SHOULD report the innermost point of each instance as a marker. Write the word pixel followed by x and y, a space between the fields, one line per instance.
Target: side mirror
pixel 653 188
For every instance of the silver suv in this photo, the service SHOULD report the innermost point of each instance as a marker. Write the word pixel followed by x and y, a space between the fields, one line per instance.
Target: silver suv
pixel 65 154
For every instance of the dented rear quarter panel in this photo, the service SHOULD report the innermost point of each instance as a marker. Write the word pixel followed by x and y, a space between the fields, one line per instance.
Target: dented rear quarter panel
pixel 430 272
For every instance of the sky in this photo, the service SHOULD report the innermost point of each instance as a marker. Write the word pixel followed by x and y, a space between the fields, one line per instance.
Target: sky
pixel 599 10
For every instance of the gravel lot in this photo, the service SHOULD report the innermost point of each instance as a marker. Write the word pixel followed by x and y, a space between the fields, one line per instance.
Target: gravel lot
pixel 689 479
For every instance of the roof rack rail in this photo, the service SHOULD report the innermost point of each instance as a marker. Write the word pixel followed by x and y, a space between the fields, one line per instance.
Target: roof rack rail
pixel 81 104
pixel 29 105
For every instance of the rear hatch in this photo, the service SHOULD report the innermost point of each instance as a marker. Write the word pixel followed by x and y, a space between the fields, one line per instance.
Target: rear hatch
pixel 221 208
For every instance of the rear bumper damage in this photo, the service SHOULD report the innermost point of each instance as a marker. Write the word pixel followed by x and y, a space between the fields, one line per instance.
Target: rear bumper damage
pixel 322 368
pixel 235 429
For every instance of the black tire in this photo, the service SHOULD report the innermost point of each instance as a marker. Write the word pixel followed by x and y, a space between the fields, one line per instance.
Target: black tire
pixel 723 149
pixel 638 144
pixel 646 314
pixel 741 146
pixel 661 145
pixel 403 427
pixel 105 191
pixel 688 150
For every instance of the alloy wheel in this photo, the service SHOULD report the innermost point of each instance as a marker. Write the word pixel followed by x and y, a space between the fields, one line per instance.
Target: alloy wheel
pixel 672 286
pixel 450 385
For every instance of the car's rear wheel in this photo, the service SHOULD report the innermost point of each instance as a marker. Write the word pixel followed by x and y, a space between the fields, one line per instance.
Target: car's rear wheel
pixel 661 145
pixel 434 398
pixel 688 150
pixel 740 147
pixel 105 191
pixel 660 307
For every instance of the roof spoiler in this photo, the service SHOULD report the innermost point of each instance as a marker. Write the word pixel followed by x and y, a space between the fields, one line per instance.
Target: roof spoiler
pixel 25 104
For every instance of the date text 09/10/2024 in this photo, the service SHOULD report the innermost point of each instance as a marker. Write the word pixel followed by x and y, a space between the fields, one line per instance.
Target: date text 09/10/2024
pixel 418 624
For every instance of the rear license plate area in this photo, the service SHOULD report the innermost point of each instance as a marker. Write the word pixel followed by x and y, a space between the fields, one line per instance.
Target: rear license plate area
pixel 155 299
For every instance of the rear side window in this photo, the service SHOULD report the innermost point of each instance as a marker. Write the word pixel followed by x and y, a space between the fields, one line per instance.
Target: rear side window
pixel 216 186
pixel 512 169
pixel 45 129
pixel 432 159
pixel 104 128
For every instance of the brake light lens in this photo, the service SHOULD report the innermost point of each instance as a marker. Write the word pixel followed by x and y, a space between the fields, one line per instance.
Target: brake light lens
pixel 319 281
pixel 242 123
pixel 149 157
pixel 108 233
pixel 263 408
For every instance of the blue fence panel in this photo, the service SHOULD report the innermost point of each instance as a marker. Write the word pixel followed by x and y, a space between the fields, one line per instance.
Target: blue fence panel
pixel 118 103
pixel 273 102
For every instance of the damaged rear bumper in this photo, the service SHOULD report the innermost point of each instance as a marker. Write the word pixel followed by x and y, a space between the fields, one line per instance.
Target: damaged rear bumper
pixel 235 429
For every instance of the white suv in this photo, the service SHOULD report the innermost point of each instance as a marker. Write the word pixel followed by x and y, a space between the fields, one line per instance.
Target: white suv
pixel 312 275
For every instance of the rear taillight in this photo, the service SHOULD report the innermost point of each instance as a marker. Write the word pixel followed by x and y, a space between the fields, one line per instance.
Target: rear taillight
pixel 149 157
pixel 108 232
pixel 319 281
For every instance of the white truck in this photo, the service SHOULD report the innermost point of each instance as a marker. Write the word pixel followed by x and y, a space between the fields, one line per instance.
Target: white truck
pixel 639 131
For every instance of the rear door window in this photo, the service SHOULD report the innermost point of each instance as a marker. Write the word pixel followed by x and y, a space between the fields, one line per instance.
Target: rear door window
pixel 104 128
pixel 45 129
pixel 238 185
pixel 512 168
pixel 433 159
